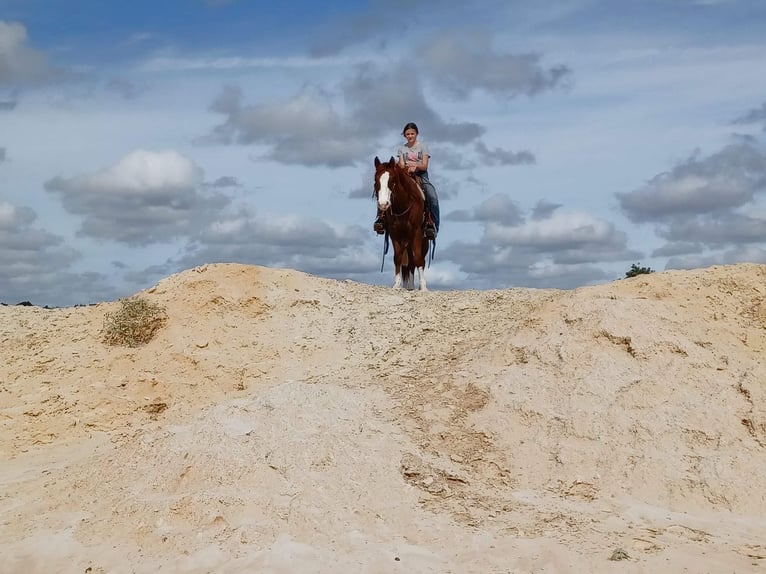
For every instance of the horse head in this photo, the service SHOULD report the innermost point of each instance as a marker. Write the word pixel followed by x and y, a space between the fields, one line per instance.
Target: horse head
pixel 385 182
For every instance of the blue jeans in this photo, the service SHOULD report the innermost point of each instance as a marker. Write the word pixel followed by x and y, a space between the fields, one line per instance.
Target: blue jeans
pixel 431 198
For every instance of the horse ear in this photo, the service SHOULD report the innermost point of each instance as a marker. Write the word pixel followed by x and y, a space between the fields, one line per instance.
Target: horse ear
pixel 392 161
pixel 377 161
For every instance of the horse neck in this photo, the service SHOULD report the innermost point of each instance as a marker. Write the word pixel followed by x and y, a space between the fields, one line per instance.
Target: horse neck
pixel 408 186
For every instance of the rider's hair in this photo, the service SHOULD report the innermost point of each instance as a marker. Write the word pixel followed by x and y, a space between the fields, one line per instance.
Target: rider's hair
pixel 411 126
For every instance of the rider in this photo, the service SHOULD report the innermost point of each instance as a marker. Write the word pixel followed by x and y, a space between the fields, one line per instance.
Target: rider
pixel 413 156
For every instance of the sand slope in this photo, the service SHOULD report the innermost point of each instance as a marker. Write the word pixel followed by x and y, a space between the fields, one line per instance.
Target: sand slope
pixel 285 423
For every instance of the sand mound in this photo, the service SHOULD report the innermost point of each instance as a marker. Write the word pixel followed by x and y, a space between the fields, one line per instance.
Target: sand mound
pixel 281 422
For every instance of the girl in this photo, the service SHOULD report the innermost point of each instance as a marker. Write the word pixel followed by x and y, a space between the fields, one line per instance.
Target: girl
pixel 413 156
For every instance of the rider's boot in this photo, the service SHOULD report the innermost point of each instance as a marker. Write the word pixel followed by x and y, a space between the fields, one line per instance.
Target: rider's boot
pixel 429 228
pixel 380 224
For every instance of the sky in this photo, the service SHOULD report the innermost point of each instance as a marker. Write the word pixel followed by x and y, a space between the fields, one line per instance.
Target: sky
pixel 569 139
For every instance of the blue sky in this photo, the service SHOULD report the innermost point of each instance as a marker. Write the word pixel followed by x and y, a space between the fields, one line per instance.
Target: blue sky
pixel 569 140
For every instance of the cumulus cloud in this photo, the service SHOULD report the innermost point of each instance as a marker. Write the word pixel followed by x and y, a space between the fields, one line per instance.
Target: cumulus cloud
pixel 544 209
pixel 146 197
pixel 705 204
pixel 289 241
pixel 488 265
pixel 305 129
pixel 462 66
pixel 566 237
pixel 309 114
pixel 550 248
pixel 500 156
pixel 33 262
pixel 715 230
pixel 754 115
pixel 13 218
pixel 748 254
pixel 225 182
pixel 450 158
pixel 716 184
pixel 379 99
pixel 20 64
pixel 499 209
pixel 561 230
pixel 308 130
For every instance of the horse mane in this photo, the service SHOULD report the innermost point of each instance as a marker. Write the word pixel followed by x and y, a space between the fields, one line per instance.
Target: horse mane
pixel 405 180
pixel 413 183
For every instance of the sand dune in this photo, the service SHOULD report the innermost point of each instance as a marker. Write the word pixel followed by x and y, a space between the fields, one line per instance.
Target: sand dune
pixel 285 423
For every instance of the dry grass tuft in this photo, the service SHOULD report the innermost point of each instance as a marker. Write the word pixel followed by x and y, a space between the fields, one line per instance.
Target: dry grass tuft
pixel 134 323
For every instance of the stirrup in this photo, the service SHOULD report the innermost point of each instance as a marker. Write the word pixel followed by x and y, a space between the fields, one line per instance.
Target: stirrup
pixel 378 226
pixel 430 231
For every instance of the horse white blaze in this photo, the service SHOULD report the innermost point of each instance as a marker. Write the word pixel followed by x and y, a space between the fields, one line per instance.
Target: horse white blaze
pixel 384 194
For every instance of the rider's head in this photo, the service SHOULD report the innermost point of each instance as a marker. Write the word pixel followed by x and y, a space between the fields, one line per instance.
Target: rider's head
pixel 410 126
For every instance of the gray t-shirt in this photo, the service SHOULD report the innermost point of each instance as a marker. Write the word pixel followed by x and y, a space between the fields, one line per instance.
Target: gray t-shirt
pixel 415 153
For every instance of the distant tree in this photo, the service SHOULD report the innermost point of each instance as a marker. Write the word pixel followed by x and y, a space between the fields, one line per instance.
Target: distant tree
pixel 636 270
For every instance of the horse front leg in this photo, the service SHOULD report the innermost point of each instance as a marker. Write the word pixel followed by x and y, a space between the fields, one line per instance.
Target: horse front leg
pixel 398 255
pixel 410 275
pixel 420 252
pixel 422 279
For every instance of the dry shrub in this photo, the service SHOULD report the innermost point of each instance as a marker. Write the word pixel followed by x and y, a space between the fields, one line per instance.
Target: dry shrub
pixel 134 323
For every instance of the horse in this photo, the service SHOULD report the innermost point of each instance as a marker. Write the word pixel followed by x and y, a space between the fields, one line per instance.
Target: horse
pixel 403 202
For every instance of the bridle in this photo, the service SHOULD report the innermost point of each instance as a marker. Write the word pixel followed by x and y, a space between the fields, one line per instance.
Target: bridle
pixel 393 186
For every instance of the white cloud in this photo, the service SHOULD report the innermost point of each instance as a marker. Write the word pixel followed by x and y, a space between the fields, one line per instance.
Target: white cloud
pixel 146 197
pixel 562 229
pixel 468 63
pixel 141 172
pixel 20 64
pixel 12 217
pixel 727 179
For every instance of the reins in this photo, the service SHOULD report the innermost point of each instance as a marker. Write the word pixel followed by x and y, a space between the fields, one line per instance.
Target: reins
pixel 412 201
pixel 385 250
pixel 403 212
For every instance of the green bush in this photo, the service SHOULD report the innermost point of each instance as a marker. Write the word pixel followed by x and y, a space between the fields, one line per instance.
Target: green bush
pixel 134 323
pixel 636 270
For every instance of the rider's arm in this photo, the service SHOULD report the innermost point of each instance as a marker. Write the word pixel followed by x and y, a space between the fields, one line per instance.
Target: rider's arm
pixel 421 165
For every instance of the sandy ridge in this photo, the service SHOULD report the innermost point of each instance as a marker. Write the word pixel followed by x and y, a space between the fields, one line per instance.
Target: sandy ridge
pixel 282 422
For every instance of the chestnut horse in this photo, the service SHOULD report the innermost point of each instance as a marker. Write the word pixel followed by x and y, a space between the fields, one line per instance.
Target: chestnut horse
pixel 403 202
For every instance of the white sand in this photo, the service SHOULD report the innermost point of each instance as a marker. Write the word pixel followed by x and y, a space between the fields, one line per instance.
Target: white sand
pixel 317 426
